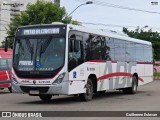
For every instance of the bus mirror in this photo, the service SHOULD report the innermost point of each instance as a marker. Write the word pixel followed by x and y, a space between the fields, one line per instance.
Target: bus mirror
pixel 6 45
pixel 6 42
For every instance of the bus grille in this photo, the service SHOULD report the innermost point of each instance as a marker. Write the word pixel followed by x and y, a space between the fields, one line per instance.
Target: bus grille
pixel 26 89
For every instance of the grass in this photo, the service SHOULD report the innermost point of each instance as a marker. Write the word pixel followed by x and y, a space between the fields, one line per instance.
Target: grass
pixel 157 74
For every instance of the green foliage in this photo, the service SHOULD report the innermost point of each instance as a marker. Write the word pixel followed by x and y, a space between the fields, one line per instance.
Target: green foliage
pixel 157 74
pixel 153 37
pixel 41 12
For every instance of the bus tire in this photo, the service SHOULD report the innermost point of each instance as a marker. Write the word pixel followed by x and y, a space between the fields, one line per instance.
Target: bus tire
pixel 89 91
pixel 102 92
pixel 133 88
pixel 45 97
pixel 10 89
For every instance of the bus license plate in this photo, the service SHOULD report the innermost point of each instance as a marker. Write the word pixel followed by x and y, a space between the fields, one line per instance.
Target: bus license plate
pixel 34 92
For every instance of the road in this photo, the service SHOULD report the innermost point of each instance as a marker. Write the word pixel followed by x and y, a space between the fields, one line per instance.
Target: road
pixel 146 99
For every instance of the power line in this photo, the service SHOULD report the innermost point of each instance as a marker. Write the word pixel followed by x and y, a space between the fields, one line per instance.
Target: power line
pixel 107 25
pixel 100 3
pixel 113 25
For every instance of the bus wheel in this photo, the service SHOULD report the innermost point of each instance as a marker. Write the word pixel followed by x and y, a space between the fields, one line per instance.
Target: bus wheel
pixel 133 88
pixel 10 89
pixel 89 91
pixel 45 97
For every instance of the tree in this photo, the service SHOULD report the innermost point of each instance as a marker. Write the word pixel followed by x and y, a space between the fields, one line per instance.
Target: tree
pixel 153 37
pixel 41 12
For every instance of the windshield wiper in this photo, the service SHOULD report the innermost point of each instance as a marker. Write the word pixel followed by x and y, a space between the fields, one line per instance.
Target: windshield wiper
pixel 45 45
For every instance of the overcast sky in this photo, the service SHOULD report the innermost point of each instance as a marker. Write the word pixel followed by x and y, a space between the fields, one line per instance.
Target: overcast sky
pixel 94 13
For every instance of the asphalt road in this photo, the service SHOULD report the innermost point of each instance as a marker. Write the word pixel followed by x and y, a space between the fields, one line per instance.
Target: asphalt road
pixel 146 99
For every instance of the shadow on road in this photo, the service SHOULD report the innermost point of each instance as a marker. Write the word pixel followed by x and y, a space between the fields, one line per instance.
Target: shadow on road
pixel 71 99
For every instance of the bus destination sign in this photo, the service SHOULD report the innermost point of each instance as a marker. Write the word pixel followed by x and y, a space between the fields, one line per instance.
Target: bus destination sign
pixel 41 31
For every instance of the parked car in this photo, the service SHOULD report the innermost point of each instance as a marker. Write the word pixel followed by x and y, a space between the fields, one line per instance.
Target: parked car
pixel 5 69
pixel 156 66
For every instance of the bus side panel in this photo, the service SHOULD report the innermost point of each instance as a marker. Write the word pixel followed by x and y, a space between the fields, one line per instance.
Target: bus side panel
pixel 78 76
pixel 148 74
pixel 104 83
pixel 114 75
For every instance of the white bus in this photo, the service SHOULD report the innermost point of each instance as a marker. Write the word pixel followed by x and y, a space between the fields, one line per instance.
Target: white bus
pixel 59 59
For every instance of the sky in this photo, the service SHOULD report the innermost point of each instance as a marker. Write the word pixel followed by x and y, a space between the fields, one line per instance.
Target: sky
pixel 98 12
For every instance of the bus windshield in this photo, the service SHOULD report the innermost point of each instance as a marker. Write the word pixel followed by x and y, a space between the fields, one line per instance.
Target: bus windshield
pixel 39 53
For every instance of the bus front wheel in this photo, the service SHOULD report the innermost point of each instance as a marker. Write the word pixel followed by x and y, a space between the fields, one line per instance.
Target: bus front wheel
pixel 45 97
pixel 87 96
pixel 133 88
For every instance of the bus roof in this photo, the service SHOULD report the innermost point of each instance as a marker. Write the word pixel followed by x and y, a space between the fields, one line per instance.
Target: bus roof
pixel 94 31
pixel 107 33
pixel 4 54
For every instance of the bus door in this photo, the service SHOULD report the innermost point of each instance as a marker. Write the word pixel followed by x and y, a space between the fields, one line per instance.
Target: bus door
pixel 76 56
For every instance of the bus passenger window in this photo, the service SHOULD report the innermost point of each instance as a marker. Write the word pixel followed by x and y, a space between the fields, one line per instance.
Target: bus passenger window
pixel 3 64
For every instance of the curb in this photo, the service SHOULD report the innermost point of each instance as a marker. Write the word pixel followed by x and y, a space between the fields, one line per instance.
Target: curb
pixel 156 78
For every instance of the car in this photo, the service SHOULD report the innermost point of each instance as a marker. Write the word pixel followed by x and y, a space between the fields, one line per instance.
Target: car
pixel 156 66
pixel 5 69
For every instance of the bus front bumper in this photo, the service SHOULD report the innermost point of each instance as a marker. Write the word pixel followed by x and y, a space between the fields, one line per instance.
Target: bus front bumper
pixel 41 89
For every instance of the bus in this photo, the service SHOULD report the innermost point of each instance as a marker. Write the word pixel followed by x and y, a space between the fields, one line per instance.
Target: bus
pixel 59 59
pixel 5 69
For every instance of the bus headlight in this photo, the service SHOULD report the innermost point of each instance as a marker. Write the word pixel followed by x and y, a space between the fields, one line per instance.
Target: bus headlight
pixel 14 80
pixel 59 79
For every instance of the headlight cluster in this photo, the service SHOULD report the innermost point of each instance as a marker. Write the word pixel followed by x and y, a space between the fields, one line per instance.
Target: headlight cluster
pixel 59 79
pixel 14 79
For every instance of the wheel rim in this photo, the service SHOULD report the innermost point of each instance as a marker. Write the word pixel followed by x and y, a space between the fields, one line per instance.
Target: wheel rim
pixel 134 85
pixel 88 89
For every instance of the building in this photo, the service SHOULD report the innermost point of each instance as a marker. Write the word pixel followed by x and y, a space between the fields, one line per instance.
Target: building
pixel 10 8
pixel 4 20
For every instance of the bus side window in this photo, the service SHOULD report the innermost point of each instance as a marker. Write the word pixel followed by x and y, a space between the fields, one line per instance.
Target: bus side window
pixel 77 50
pixel 71 46
pixel 3 64
pixel 76 46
